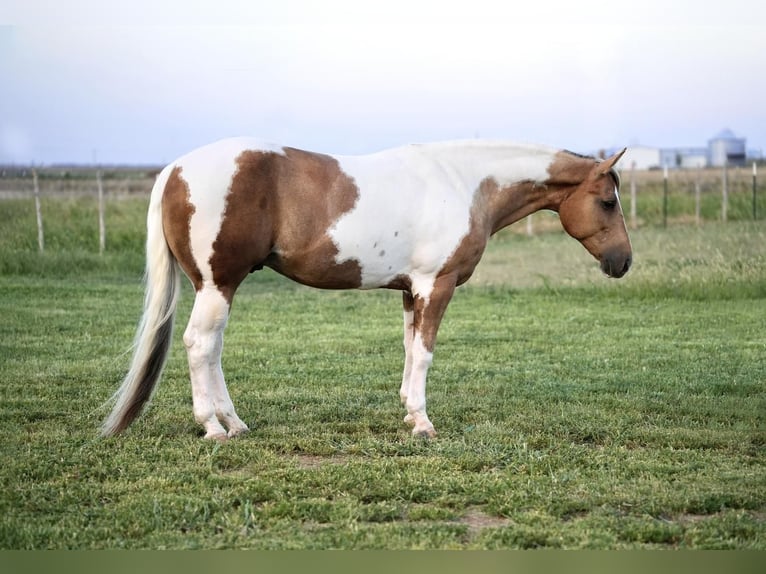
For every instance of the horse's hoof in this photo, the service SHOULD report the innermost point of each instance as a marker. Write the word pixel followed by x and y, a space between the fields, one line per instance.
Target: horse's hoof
pixel 410 420
pixel 425 434
pixel 219 436
pixel 235 432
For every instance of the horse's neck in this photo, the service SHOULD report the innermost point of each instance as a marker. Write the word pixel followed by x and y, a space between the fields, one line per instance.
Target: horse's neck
pixel 506 163
pixel 512 178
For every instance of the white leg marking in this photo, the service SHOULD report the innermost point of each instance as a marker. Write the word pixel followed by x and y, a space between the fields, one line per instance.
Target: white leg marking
pixel 204 344
pixel 409 322
pixel 416 394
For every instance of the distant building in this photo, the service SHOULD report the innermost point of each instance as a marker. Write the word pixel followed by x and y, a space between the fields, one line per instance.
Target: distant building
pixel 641 157
pixel 696 157
pixel 684 157
pixel 724 147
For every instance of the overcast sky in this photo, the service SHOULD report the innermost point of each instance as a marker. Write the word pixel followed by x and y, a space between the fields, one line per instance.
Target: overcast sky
pixel 142 82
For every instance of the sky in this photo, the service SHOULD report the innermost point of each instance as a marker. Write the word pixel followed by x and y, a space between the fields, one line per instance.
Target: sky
pixel 142 82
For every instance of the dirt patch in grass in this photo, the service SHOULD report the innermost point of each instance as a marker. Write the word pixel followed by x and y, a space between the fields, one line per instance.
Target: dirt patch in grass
pixel 311 461
pixel 477 520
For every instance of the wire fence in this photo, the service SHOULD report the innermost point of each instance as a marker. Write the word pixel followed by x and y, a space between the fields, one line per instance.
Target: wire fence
pixel 649 197
pixel 658 198
pixel 102 185
pixel 697 195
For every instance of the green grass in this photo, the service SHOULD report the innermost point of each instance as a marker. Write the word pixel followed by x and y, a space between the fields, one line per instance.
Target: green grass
pixel 573 411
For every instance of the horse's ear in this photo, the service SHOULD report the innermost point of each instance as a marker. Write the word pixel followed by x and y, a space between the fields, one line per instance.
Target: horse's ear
pixel 608 164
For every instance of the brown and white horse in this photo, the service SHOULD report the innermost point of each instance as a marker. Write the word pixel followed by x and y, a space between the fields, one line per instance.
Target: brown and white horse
pixel 415 218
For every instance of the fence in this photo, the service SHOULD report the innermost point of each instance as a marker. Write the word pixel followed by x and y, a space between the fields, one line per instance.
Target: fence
pixel 728 193
pixel 103 185
pixel 649 198
pixel 667 197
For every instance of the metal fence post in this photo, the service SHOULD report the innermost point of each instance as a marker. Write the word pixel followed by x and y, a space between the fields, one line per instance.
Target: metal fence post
pixel 633 220
pixel 101 224
pixel 755 190
pixel 725 192
pixel 697 197
pixel 665 196
pixel 38 212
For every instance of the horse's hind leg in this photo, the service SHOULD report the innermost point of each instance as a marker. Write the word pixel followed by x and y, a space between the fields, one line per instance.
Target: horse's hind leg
pixel 204 344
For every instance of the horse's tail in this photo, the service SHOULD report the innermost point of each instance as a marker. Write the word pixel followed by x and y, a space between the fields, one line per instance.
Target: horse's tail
pixel 155 330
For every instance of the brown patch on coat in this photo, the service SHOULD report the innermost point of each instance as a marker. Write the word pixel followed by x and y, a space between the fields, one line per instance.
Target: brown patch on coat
pixel 244 239
pixel 493 208
pixel 468 253
pixel 408 301
pixel 429 312
pixel 569 169
pixel 278 212
pixel 504 206
pixel 304 250
pixel 401 282
pixel 177 212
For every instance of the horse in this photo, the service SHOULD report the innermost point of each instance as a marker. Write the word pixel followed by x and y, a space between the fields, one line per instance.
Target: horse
pixel 415 218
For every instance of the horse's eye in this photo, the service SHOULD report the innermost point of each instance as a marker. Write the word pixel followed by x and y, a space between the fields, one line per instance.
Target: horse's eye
pixel 609 204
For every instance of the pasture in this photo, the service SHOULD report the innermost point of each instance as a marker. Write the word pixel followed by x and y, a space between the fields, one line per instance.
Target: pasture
pixel 573 411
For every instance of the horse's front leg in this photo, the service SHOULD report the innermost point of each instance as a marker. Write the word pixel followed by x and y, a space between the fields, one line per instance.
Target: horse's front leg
pixel 408 302
pixel 428 310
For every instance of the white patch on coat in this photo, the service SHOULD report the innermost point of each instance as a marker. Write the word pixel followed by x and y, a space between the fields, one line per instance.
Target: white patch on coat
pixel 208 172
pixel 415 203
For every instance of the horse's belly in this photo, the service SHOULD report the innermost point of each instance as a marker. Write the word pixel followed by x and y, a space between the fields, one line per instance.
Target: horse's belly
pixel 387 250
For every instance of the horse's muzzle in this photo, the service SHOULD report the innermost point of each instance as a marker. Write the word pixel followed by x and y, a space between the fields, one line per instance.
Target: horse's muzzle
pixel 616 264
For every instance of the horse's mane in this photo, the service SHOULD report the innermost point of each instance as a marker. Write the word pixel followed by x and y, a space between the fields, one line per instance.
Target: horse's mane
pixel 580 155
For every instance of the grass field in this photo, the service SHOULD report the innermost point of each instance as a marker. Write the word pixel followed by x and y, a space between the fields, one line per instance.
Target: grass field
pixel 573 411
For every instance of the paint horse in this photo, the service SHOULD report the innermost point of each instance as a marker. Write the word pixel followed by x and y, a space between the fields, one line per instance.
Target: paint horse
pixel 415 218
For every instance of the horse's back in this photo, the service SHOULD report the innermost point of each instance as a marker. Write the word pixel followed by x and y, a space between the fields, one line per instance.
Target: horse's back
pixel 326 221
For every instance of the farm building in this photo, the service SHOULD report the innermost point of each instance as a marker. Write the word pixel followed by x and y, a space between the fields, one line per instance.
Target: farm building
pixel 684 157
pixel 641 157
pixel 725 147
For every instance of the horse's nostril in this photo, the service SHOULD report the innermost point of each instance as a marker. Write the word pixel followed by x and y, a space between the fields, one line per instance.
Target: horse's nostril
pixel 628 263
pixel 610 265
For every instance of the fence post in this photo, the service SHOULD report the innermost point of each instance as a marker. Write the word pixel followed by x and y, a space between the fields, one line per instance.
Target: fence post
pixel 755 190
pixel 633 222
pixel 665 196
pixel 697 197
pixel 725 191
pixel 101 225
pixel 38 213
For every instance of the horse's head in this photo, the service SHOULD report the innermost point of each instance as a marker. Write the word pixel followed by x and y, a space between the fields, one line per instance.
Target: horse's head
pixel 592 214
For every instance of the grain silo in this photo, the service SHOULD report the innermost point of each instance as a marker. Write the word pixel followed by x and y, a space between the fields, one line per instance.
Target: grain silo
pixel 726 148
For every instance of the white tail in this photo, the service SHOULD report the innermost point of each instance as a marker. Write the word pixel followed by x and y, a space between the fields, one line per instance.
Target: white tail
pixel 155 331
